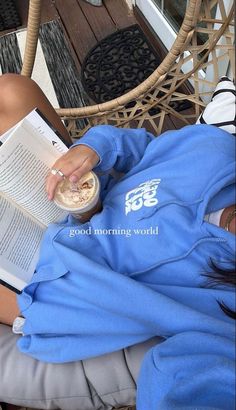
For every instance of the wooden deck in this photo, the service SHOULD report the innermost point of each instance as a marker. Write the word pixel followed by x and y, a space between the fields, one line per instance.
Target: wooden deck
pixel 85 25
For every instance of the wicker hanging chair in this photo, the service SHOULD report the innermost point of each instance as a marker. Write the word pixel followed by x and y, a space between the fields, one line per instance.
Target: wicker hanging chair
pixel 204 42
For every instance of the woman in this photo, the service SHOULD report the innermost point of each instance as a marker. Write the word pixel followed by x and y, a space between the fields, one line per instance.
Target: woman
pixel 147 274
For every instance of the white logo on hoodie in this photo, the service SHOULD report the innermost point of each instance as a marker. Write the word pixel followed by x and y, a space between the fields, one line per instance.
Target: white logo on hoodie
pixel 143 195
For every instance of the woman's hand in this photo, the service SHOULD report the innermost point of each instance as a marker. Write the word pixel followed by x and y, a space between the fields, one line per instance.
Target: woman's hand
pixel 74 164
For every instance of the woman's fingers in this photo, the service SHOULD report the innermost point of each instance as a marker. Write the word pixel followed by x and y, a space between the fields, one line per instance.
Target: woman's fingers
pixel 74 164
pixel 51 184
pixel 85 167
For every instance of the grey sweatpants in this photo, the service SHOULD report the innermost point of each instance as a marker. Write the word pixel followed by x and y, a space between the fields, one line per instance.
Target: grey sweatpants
pixel 100 383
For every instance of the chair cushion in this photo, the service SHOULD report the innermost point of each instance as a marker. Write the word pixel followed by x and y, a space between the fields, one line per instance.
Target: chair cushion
pixel 221 109
pixel 99 383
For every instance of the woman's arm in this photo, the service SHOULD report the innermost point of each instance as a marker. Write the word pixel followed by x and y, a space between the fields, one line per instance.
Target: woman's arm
pixel 118 148
pixel 103 147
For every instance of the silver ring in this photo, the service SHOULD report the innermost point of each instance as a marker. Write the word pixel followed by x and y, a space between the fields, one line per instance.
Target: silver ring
pixel 55 171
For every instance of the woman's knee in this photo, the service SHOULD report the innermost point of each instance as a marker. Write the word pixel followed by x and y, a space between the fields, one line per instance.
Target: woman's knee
pixel 14 89
pixel 18 96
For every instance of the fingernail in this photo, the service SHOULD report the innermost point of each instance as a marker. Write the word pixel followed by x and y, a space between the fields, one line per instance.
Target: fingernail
pixel 49 197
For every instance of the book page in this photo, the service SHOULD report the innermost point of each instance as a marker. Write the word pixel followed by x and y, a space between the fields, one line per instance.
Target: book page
pixel 25 160
pixel 6 135
pixel 44 128
pixel 20 238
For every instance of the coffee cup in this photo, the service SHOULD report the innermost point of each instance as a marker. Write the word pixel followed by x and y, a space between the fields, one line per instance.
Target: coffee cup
pixel 81 198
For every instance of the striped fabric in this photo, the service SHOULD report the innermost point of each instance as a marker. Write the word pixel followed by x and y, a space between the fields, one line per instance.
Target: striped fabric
pixel 54 71
pixel 221 110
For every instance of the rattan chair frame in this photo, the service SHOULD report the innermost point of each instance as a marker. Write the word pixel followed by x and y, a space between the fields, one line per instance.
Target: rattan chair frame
pixel 203 41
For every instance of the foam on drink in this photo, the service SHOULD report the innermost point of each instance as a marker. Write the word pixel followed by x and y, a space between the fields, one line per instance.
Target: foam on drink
pixel 78 197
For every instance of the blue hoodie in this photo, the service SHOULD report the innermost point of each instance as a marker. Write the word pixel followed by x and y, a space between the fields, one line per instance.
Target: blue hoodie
pixel 136 269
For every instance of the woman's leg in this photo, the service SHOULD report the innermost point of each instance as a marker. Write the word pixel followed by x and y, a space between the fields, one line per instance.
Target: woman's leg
pixel 18 96
pixel 8 306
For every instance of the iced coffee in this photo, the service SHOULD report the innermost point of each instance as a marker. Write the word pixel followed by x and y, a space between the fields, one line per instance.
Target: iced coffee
pixel 81 198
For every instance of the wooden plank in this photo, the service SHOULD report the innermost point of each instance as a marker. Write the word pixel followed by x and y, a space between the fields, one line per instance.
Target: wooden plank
pixel 99 20
pixel 22 7
pixel 178 123
pixel 150 34
pixel 77 27
pixel 48 11
pixel 120 13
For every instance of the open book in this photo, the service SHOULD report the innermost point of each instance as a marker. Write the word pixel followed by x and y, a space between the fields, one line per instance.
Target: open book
pixel 27 152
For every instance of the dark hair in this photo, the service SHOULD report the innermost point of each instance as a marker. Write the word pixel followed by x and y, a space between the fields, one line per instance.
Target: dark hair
pixel 220 276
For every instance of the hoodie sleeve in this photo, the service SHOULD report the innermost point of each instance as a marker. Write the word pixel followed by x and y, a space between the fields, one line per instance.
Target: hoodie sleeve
pixel 191 370
pixel 118 148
